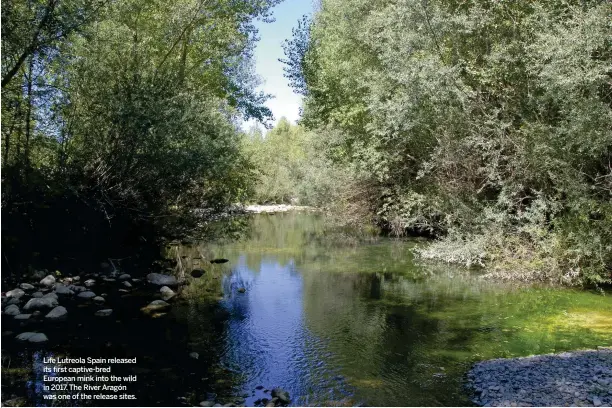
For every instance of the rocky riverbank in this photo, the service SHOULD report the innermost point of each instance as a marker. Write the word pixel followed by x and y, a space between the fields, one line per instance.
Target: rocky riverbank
pixel 579 378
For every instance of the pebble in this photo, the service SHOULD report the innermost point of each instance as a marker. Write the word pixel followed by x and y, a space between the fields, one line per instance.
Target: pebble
pixel 544 380
pixel 15 293
pixel 23 316
pixel 86 295
pixel 48 280
pixel 12 310
pixel 57 313
pixel 103 313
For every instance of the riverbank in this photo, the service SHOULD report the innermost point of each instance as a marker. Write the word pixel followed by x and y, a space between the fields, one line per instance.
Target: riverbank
pixel 578 378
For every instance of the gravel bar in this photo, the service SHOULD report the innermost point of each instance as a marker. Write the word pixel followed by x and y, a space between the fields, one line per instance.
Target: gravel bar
pixel 580 378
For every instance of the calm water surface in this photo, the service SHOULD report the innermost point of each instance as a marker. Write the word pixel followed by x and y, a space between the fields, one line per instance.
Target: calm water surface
pixel 333 321
pixel 340 323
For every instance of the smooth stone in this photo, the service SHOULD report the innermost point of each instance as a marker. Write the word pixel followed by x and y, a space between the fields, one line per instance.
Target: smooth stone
pixel 32 337
pixel 12 301
pixel 15 293
pixel 161 279
pixel 22 316
pixel 12 310
pixel 50 295
pixel 241 290
pixel 194 355
pixel 48 280
pixel 219 261
pixel 89 283
pixel 77 289
pixel 41 303
pixel 155 306
pixel 166 293
pixel 58 312
pixel 596 401
pixel 125 276
pixel 98 299
pixel 127 284
pixel 63 290
pixel 109 280
pixel 86 295
pixel 103 313
pixel 207 404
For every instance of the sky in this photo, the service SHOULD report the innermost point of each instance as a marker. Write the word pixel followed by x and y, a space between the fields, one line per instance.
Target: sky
pixel 267 52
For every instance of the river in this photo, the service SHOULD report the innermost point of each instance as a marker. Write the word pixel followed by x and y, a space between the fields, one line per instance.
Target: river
pixel 334 320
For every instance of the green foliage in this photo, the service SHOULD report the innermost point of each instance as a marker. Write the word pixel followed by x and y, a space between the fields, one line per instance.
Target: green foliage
pixel 127 111
pixel 486 123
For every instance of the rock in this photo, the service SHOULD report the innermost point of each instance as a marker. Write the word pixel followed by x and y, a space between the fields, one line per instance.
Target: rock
pixel 98 299
pixel 110 280
pixel 596 402
pixel 207 404
pixel 125 276
pixel 77 289
pixel 15 402
pixel 194 355
pixel 12 310
pixel 89 283
pixel 103 313
pixel 86 295
pixel 197 273
pixel 40 303
pixel 50 295
pixel 166 293
pixel 282 395
pixel 259 387
pixel 32 337
pixel 76 278
pixel 161 279
pixel 241 290
pixel 127 284
pixel 219 261
pixel 63 290
pixel 155 306
pixel 22 316
pixel 57 313
pixel 15 293
pixel 48 281
pixel 12 301
pixel 37 294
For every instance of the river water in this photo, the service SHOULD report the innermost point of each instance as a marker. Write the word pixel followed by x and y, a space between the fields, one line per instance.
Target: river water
pixel 333 320
pixel 339 322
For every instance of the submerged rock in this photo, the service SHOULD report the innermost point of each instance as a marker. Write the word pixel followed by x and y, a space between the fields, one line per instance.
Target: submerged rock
pixel 22 316
pixel 48 281
pixel 41 303
pixel 219 261
pixel 282 395
pixel 12 310
pixel 27 286
pixel 197 273
pixel 99 299
pixel 103 313
pixel 57 313
pixel 155 306
pixel 125 276
pixel 161 279
pixel 241 290
pixel 50 295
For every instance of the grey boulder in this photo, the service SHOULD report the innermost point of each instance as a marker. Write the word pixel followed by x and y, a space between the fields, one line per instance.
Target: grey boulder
pixel 63 290
pixel 48 281
pixel 41 303
pixel 166 293
pixel 32 337
pixel 57 313
pixel 103 312
pixel 15 293
pixel 86 295
pixel 12 310
pixel 161 279
pixel 27 286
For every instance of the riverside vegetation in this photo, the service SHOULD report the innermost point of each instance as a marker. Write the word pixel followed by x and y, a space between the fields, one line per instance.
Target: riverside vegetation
pixel 484 126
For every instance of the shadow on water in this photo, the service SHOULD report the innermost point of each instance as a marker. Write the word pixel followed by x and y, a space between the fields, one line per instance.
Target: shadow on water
pixel 334 323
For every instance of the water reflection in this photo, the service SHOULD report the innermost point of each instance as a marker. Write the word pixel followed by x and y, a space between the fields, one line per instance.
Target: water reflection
pixel 344 324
